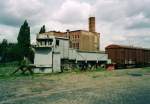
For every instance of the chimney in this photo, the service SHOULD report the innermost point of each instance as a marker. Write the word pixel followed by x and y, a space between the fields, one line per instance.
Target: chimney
pixel 92 24
pixel 67 33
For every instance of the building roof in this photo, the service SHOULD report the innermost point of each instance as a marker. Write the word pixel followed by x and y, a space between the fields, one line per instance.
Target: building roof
pixel 82 31
pixel 63 38
pixel 54 32
pixel 102 52
pixel 59 32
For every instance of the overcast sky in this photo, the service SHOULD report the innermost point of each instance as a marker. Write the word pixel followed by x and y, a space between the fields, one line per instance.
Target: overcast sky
pixel 124 22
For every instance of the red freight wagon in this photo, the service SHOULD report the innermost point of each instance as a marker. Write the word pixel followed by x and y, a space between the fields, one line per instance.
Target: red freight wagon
pixel 124 56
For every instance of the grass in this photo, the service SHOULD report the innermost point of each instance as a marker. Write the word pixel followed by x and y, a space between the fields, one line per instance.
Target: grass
pixel 130 86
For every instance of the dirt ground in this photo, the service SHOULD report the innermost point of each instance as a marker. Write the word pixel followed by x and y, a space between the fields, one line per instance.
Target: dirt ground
pixel 130 86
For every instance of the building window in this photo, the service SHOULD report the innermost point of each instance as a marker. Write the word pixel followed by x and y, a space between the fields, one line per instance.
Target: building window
pixel 73 45
pixel 50 42
pixel 70 44
pixel 42 69
pixel 78 45
pixel 57 42
pixel 45 43
pixel 42 43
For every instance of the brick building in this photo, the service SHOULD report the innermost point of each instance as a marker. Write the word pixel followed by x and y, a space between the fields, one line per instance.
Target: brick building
pixel 81 40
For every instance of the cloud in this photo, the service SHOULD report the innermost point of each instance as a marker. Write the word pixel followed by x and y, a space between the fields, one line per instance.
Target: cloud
pixel 14 11
pixel 8 32
pixel 138 22
pixel 110 10
pixel 118 21
pixel 72 11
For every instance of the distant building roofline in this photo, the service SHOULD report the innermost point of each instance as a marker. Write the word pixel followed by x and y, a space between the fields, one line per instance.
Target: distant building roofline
pixel 82 31
pixel 68 31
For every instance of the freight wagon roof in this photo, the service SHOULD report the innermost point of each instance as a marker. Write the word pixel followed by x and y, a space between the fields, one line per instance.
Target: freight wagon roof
pixel 113 46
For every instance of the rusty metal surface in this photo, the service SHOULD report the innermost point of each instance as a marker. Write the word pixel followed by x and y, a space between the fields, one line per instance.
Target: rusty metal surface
pixel 128 55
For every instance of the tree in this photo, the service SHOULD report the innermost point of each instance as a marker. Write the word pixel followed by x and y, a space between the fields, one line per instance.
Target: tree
pixel 13 52
pixel 4 43
pixel 24 40
pixel 3 50
pixel 42 30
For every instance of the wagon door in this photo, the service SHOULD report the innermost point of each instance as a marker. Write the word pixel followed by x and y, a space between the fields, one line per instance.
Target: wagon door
pixel 56 62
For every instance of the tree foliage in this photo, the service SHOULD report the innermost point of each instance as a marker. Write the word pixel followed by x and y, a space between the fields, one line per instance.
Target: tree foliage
pixel 24 40
pixel 42 30
pixel 3 49
pixel 8 51
pixel 16 51
pixel 24 35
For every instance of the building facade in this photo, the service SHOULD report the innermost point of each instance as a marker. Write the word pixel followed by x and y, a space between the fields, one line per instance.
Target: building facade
pixel 81 40
pixel 84 40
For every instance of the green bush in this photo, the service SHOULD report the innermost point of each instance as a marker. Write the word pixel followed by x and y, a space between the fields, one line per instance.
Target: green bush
pixel 9 64
pixel 99 69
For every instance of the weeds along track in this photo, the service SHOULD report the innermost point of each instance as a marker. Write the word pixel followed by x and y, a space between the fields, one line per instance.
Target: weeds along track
pixel 82 88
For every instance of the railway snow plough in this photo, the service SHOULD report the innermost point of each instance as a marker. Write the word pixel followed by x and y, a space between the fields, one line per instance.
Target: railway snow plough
pixel 53 54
